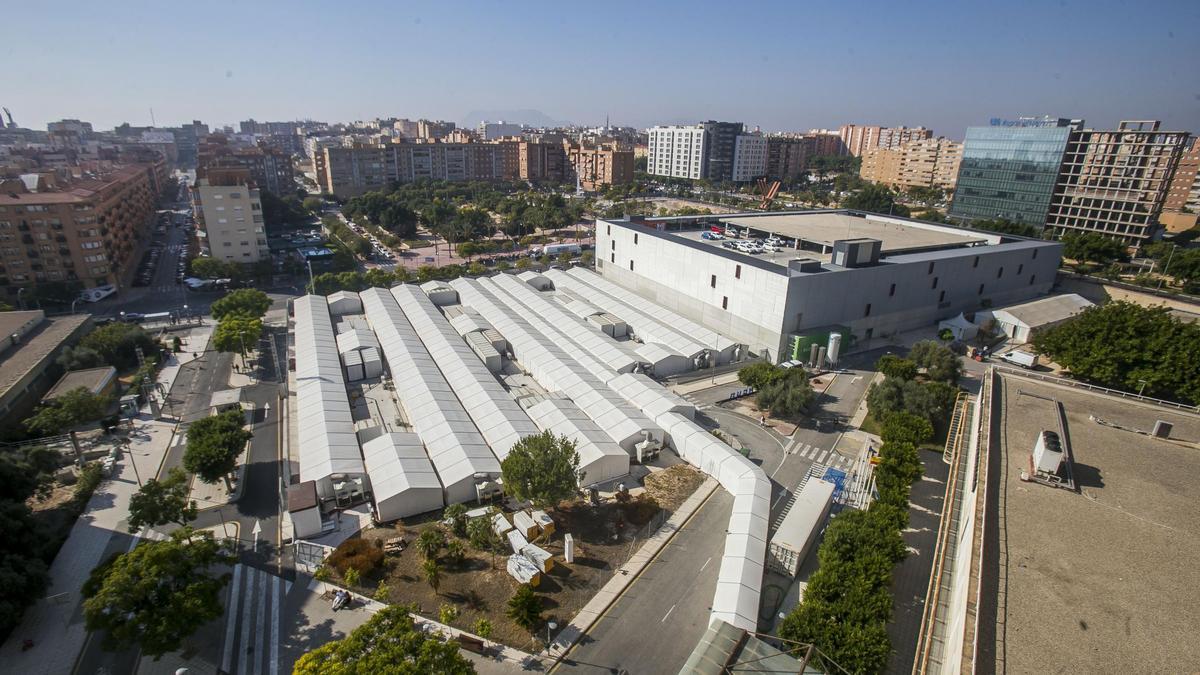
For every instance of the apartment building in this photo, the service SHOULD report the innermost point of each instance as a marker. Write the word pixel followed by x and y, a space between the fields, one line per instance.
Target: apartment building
pixel 787 156
pixel 270 168
pixel 230 220
pixel 543 161
pixel 859 139
pixel 79 230
pixel 491 131
pixel 749 158
pixel 931 162
pixel 677 151
pixel 826 143
pixel 607 164
pixel 1115 182
pixel 895 137
pixel 350 171
pixel 431 130
pixel 1184 190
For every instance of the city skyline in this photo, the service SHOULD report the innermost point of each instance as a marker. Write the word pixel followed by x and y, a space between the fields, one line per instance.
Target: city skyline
pixel 898 66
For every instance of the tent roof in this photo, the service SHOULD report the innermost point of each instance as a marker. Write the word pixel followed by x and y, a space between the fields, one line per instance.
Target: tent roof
pixel 1045 311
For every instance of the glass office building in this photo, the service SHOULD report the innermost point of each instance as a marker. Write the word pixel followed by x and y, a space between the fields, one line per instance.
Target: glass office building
pixel 1009 169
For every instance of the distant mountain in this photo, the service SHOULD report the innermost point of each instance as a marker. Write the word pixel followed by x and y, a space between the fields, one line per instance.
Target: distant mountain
pixel 533 118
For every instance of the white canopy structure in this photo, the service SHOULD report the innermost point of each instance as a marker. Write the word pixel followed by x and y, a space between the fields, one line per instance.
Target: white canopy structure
pixel 653 398
pixel 497 416
pixel 618 356
pixel 327 445
pixel 356 339
pixel 600 459
pixel 403 481
pixel 556 371
pixel 722 346
pixel 647 328
pixel 466 320
pixel 662 361
pixel 439 293
pixel 344 302
pixel 458 451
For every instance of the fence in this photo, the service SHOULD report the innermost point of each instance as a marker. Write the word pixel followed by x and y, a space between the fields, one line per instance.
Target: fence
pixel 1067 382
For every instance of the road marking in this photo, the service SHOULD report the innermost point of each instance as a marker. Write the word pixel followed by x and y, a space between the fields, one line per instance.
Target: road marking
pixel 780 465
pixel 230 620
pixel 247 608
pixel 260 626
pixel 706 563
pixel 821 459
pixel 275 617
pixel 667 614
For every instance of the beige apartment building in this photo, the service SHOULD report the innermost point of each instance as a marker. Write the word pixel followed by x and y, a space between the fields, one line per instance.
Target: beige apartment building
pixel 787 156
pixel 230 220
pixel 350 171
pixel 1115 182
pixel 604 165
pixel 859 138
pixel 931 162
pixel 1184 190
pixel 76 230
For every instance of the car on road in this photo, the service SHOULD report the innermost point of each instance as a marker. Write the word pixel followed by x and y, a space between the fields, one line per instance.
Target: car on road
pixel 713 236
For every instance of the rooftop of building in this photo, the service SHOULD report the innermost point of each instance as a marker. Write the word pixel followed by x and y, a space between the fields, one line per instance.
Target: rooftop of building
pixel 33 348
pixel 92 379
pixel 1103 580
pixel 75 190
pixel 1047 310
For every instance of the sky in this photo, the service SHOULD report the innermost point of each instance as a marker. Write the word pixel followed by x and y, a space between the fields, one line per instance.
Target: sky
pixel 778 65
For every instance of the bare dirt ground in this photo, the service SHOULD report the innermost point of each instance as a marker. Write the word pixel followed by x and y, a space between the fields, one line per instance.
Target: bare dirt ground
pixel 605 535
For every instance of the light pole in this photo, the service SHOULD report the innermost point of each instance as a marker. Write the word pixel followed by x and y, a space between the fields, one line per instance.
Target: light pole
pixel 550 625
pixel 1167 266
pixel 20 302
pixel 73 305
pixel 311 284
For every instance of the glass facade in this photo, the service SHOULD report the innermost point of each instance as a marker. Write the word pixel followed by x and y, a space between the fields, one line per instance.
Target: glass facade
pixel 1009 172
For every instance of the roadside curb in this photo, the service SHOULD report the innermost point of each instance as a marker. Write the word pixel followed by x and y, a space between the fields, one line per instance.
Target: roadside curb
pixel 625 575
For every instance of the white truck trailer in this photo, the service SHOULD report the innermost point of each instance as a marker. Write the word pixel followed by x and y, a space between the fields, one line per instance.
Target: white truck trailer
pixel 800 527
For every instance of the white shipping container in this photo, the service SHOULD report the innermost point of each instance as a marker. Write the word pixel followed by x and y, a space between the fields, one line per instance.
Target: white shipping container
pixel 354 366
pixel 800 527
pixel 484 350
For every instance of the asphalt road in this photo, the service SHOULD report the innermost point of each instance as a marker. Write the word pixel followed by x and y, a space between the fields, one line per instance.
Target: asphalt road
pixel 655 624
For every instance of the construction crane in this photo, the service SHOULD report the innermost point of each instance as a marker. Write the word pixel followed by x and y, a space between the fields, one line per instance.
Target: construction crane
pixel 11 123
pixel 768 189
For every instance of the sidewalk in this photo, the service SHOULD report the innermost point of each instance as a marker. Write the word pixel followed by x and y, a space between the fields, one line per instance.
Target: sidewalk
pixel 705 383
pixel 55 624
pixel 626 575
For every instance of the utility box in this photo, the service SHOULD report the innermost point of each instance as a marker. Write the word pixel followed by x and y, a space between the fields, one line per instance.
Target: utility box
pixel 568 548
pixel 1162 429
pixel 1047 453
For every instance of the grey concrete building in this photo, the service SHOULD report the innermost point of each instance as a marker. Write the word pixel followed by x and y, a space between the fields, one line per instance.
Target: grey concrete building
pixel 863 275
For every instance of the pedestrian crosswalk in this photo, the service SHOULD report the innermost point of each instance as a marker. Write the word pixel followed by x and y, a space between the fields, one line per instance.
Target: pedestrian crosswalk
pixel 252 622
pixel 818 455
pixel 816 469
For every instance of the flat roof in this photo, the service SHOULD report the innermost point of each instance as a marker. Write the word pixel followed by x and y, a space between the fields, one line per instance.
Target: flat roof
pixel 1047 310
pixel 1104 580
pixel 825 227
pixel 16 362
pixel 92 379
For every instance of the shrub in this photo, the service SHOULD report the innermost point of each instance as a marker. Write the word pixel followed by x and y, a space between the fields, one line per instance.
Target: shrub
pixel 447 613
pixel 351 577
pixel 895 366
pixel 357 554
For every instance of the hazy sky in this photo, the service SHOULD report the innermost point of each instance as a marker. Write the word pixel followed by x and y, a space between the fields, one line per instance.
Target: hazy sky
pixel 782 65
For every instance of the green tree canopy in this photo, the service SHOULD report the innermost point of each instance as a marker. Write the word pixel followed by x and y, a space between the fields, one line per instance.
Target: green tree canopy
pixel 788 394
pixel 69 410
pixel 211 268
pixel 525 608
pixel 876 199
pixel 389 642
pixel 249 302
pixel 160 502
pixel 158 594
pixel 237 333
pixel 759 374
pixel 1092 247
pixel 896 366
pixel 213 446
pixel 1002 226
pixel 543 469
pixel 117 344
pixel 938 361
pixel 22 569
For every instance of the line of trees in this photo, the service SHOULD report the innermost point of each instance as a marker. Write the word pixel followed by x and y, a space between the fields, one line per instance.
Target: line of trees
pixel 785 392
pixel 239 320
pixel 923 385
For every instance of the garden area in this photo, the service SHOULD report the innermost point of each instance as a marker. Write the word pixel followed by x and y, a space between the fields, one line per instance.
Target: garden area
pixel 453 567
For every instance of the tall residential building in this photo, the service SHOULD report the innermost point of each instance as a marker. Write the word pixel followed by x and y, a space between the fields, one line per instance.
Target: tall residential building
pixel 270 169
pixel 1184 192
pixel 600 166
pixel 1009 169
pixel 407 128
pixel 351 171
pixel 932 162
pixel 787 156
pixel 894 137
pixel 490 131
pixel 230 222
pixel 430 130
pixel 858 139
pixel 543 161
pixel 826 143
pixel 1115 182
pixel 85 231
pixel 749 158
pixel 704 150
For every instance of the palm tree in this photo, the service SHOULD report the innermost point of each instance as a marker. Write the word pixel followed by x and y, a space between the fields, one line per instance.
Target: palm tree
pixel 432 572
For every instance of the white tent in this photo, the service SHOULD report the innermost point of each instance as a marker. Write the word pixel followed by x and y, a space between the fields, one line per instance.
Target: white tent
pixel 356 339
pixel 458 451
pixel 494 412
pixel 403 481
pixel 344 302
pixel 600 459
pixel 326 443
pixel 1020 322
pixel 653 398
pixel 662 361
pixel 962 329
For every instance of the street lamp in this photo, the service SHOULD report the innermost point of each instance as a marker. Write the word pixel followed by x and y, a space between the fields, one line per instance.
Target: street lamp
pixel 550 625
pixel 20 302
pixel 1167 266
pixel 73 305
pixel 311 285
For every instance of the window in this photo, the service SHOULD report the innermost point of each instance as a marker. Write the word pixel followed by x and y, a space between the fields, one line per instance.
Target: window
pixel 725 302
pixel 976 263
pixel 980 289
pixel 935 282
pixel 737 272
pixel 941 297
pixel 1019 268
pixel 1035 254
pixel 635 238
pixel 608 229
pixel 892 291
pixel 867 311
pixel 630 265
pixel 227 244
pixel 999 272
pixel 612 257
pixel 235 195
pixel 712 281
pixel 930 269
pixel 1032 278
pixel 613 244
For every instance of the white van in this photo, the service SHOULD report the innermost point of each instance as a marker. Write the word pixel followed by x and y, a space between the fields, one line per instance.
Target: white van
pixel 98 293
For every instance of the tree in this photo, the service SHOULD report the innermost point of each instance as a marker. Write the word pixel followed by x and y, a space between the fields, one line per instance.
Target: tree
pixel 69 410
pixel 895 366
pixel 212 268
pixel 432 571
pixel 938 361
pixel 481 535
pixel 788 394
pixel 235 331
pixel 455 552
pixel 213 446
pixel 482 628
pixel 456 515
pixel 587 258
pixel 389 642
pixel 543 469
pixel 1003 226
pixel 525 608
pixel 249 302
pixel 159 502
pixel 158 594
pixel 430 542
pixel 524 263
pixel 447 613
pixel 117 344
pixel 904 427
pixel 876 199
pixel 24 573
pixel 79 358
pixel 1092 247
pixel 382 592
pixel 313 205
pixel 759 374
pixel 278 211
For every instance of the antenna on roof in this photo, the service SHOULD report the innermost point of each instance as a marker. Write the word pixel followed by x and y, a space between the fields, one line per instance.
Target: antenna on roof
pixel 152 117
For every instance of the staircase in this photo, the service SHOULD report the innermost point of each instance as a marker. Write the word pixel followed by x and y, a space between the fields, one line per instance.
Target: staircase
pixel 958 420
